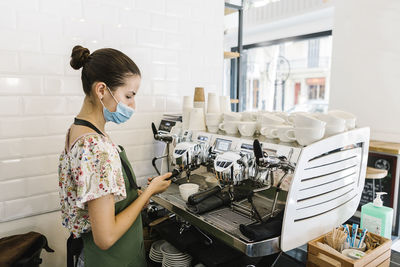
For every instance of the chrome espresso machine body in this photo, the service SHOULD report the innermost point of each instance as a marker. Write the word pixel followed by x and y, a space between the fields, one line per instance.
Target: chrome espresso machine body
pixel 316 187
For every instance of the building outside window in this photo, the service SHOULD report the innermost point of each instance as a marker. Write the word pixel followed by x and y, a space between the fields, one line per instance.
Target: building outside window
pixel 291 74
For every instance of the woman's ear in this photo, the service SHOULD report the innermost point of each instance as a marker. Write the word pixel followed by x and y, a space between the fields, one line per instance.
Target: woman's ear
pixel 99 88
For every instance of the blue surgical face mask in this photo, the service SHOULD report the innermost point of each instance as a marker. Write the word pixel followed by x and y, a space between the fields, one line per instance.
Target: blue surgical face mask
pixel 120 115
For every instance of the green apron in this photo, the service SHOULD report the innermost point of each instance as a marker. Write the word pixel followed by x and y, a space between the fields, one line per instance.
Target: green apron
pixel 129 249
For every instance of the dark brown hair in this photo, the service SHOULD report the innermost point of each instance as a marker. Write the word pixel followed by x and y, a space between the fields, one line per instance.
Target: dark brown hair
pixel 103 65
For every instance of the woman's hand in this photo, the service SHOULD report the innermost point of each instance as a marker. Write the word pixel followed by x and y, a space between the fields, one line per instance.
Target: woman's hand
pixel 158 184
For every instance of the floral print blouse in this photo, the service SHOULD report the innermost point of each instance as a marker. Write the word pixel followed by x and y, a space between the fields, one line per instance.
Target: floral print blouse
pixel 90 169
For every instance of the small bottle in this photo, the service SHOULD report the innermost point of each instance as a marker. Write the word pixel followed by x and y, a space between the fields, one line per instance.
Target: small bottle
pixel 377 218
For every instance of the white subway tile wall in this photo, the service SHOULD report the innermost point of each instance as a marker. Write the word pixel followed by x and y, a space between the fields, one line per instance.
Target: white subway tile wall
pixel 177 44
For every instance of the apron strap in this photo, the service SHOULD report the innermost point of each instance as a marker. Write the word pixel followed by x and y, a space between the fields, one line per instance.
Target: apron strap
pixel 128 171
pixel 124 164
pixel 74 249
pixel 87 124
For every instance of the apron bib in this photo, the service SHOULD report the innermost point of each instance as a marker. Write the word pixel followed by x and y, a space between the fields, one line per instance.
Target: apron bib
pixel 129 249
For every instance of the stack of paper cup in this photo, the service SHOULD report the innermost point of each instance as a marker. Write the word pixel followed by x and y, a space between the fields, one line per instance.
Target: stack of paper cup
pixel 213 104
pixel 225 104
pixel 199 99
pixel 197 120
pixel 187 107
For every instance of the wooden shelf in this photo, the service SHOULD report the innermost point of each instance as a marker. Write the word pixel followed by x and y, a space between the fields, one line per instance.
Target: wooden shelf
pixel 229 11
pixel 385 147
pixel 231 55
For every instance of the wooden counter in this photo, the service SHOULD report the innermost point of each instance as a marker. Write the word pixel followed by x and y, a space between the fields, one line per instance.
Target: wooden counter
pixel 384 147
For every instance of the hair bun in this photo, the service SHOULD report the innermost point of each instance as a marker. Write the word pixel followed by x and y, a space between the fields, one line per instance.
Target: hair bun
pixel 79 57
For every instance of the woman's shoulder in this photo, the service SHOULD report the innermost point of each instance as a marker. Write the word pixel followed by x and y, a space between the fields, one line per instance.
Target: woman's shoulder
pixel 94 142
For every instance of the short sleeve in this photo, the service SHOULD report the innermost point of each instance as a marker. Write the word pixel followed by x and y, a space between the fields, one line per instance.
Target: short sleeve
pixel 98 168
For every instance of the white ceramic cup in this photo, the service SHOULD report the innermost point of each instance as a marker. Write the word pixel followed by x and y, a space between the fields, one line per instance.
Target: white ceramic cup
pixel 347 116
pixel 225 103
pixel 280 132
pixel 247 128
pixel 187 102
pixel 269 119
pixel 282 115
pixel 305 136
pixel 334 124
pixel 267 130
pixel 334 129
pixel 232 116
pixel 230 127
pixel 188 189
pixel 307 121
pixel 249 116
pixel 212 128
pixel 196 122
pixel 213 119
pixel 213 103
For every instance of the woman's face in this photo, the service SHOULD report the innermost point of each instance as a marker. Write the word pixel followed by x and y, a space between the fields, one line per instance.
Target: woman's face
pixel 125 93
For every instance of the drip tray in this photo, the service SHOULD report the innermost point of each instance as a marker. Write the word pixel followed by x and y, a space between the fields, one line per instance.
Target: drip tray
pixel 222 223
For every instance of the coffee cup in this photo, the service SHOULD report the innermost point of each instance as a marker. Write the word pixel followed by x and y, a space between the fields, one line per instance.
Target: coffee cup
pixel 201 105
pixel 334 124
pixel 212 128
pixel 186 118
pixel 196 122
pixel 270 119
pixel 232 116
pixel 334 129
pixel 347 116
pixel 267 131
pixel 249 116
pixel 230 127
pixel 187 102
pixel 302 120
pixel 225 104
pixel 188 189
pixel 305 136
pixel 213 103
pixel 280 132
pixel 213 119
pixel 247 128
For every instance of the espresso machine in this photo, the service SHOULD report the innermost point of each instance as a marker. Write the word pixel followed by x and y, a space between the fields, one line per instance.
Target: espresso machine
pixel 313 188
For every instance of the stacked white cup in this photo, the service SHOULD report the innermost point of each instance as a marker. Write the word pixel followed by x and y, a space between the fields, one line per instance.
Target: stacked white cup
pixel 213 103
pixel 334 124
pixel 347 116
pixel 231 121
pixel 197 120
pixel 225 104
pixel 186 108
pixel 269 123
pixel 307 129
pixel 212 121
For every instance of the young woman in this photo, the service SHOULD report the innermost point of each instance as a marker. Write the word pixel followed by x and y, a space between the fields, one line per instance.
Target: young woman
pixel 100 201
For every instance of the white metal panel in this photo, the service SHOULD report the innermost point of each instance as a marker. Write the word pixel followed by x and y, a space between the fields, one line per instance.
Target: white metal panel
pixel 334 157
pixel 310 211
pixel 316 181
pixel 330 168
pixel 326 188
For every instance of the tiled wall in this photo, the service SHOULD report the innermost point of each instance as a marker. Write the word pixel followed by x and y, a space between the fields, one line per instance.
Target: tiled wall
pixel 177 44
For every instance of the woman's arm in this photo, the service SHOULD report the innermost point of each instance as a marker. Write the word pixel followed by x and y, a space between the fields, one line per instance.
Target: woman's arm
pixel 107 227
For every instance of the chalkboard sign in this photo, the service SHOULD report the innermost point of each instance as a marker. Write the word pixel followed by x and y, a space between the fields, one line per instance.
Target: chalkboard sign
pixel 385 162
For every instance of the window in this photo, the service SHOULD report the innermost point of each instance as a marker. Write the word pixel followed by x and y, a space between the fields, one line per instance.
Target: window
pixel 290 74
